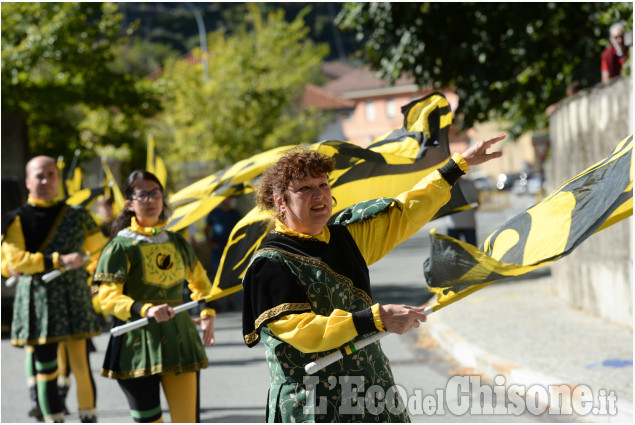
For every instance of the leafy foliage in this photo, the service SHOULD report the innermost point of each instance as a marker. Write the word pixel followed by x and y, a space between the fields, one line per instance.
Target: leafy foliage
pixel 251 102
pixel 57 71
pixel 505 60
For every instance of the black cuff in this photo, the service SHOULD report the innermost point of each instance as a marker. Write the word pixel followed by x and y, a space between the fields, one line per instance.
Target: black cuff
pixel 451 172
pixel 135 309
pixel 48 261
pixel 364 322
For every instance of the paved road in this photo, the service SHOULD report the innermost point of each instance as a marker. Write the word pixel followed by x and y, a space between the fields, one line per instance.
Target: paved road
pixel 234 387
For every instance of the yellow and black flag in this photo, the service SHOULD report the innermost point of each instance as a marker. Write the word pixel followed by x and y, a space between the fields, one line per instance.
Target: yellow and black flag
pixel 112 189
pixel 155 164
pixel 85 197
pixel 195 201
pixel 595 199
pixel 73 178
pixel 389 166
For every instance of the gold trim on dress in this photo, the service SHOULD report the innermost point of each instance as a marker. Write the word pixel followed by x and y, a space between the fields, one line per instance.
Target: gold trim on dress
pixel 251 337
pixel 154 370
pixel 273 312
pixel 109 277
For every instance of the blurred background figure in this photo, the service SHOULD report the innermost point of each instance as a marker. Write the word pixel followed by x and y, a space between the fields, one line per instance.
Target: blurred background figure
pixel 105 214
pixel 614 56
pixel 40 236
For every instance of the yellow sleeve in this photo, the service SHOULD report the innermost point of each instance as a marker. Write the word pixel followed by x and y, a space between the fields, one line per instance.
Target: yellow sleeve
pixel 311 333
pixel 410 211
pixel 14 253
pixel 200 286
pixel 113 301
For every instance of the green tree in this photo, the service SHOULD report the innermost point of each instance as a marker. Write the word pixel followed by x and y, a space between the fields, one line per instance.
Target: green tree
pixel 58 76
pixel 252 100
pixel 505 60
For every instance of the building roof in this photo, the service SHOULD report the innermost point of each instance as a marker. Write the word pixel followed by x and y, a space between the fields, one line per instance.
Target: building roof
pixel 322 99
pixel 364 80
pixel 336 69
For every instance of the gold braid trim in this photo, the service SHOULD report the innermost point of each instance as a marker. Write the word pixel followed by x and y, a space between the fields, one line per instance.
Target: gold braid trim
pixel 273 312
pixel 109 277
pixel 314 262
pixel 251 337
pixel 154 370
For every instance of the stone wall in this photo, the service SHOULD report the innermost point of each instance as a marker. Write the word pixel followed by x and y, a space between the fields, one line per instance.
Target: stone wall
pixel 598 276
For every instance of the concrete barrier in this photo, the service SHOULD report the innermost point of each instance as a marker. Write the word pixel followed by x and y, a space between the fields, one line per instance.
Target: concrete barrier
pixel 597 276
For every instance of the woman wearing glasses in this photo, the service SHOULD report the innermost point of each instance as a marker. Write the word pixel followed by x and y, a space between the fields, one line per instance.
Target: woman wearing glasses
pixel 141 273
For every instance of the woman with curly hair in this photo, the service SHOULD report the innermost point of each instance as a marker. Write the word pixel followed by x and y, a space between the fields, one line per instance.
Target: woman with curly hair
pixel 307 289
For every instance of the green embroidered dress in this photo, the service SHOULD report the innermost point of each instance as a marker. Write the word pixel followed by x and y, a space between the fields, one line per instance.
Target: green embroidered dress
pixel 293 277
pixel 290 275
pixel 152 269
pixel 61 309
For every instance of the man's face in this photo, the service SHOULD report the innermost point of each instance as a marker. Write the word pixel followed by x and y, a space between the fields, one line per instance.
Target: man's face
pixel 42 179
pixel 617 39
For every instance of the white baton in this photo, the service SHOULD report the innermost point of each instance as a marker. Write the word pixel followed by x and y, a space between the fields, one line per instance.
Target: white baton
pixel 122 329
pixel 319 364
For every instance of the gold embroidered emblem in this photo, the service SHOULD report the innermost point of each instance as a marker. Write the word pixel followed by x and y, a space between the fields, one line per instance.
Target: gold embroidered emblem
pixel 160 265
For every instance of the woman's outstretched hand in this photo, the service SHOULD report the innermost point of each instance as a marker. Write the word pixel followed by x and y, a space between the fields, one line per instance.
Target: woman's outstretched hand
pixel 400 319
pixel 477 153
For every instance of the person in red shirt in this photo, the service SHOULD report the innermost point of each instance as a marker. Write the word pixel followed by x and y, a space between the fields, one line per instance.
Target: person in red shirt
pixel 614 56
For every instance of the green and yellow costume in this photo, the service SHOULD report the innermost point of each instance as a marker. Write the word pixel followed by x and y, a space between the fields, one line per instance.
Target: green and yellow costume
pixel 47 313
pixel 306 296
pixel 34 236
pixel 139 268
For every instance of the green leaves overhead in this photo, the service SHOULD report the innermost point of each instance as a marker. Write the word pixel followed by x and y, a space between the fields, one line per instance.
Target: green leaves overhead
pixel 252 102
pixel 56 64
pixel 505 60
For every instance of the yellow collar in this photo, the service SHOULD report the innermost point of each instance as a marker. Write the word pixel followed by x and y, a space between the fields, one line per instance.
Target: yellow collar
pixel 40 202
pixel 148 231
pixel 323 236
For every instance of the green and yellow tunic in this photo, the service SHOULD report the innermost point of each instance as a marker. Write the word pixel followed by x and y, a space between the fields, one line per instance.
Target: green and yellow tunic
pixel 306 296
pixel 139 268
pixel 33 237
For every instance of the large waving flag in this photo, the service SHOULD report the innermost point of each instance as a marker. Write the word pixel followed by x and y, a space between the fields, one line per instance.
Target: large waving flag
pixel 593 200
pixel 390 165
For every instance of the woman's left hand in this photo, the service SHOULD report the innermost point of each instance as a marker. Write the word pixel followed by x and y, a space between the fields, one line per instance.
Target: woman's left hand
pixel 207 324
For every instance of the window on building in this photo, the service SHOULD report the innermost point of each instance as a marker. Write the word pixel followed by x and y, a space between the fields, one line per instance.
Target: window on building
pixel 391 109
pixel 371 115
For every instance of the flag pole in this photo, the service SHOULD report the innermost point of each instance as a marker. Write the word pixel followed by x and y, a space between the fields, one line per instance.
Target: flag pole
pixel 319 364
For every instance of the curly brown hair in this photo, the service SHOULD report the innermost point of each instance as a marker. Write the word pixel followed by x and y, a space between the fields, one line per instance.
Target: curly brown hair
pixel 294 165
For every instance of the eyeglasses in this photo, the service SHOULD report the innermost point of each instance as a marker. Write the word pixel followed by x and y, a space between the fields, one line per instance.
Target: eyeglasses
pixel 143 196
